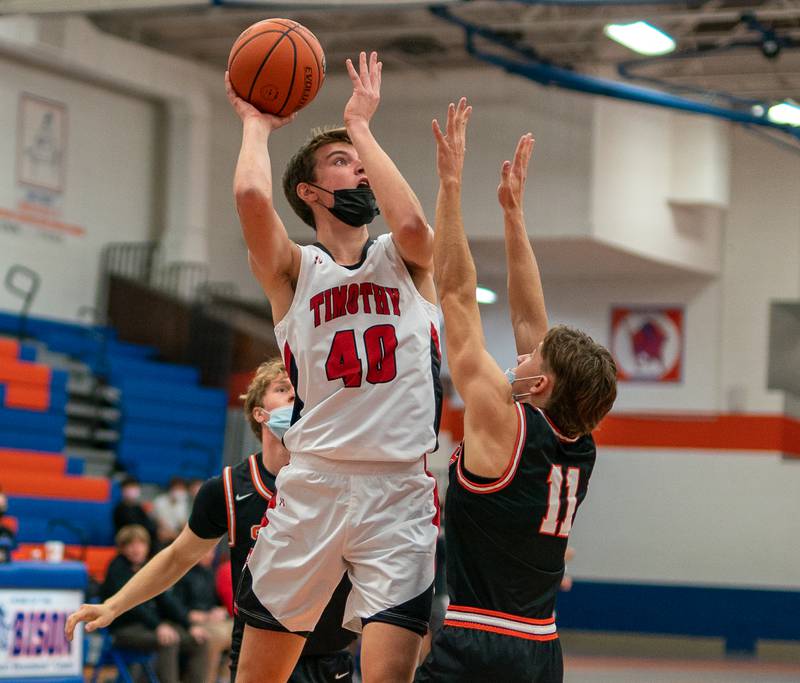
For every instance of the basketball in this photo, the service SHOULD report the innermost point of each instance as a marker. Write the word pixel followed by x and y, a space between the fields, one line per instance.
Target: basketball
pixel 277 65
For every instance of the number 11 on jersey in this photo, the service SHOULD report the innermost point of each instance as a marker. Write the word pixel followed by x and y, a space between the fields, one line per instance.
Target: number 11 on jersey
pixel 380 344
pixel 550 525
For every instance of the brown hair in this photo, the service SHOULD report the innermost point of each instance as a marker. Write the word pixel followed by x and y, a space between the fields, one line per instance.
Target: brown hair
pixel 266 373
pixel 585 379
pixel 302 168
pixel 130 533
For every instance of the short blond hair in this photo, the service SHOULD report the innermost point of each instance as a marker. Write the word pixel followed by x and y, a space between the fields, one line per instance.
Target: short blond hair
pixel 266 374
pixel 130 533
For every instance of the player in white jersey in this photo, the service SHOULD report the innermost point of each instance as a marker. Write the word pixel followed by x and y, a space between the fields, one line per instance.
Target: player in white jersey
pixel 357 323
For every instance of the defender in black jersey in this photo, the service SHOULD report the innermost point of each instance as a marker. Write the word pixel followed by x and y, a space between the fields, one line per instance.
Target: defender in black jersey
pixel 234 503
pixel 523 468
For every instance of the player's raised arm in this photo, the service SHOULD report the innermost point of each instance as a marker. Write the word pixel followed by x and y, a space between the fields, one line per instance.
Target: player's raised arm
pixel 490 423
pixel 525 295
pixel 454 269
pixel 274 258
pixel 159 574
pixel 399 205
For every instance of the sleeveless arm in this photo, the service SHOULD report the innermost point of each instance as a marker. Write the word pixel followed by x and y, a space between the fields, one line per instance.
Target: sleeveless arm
pixel 525 294
pixel 490 424
pixel 159 574
pixel 399 205
pixel 274 258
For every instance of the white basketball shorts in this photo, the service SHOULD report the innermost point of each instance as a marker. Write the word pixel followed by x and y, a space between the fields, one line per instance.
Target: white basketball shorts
pixel 376 521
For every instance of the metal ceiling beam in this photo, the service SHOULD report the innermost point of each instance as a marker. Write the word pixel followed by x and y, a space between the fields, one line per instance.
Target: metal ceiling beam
pixel 526 63
pixel 334 4
pixel 624 15
pixel 81 6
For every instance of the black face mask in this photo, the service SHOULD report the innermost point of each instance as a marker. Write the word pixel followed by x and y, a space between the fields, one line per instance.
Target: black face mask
pixel 355 207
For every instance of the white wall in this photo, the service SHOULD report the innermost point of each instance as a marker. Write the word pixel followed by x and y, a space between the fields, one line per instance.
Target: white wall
pixel 227 253
pixel 109 189
pixel 761 256
pixel 690 517
pixel 645 160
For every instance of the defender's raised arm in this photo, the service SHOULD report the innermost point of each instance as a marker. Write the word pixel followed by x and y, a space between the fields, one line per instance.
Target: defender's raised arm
pixel 525 295
pixel 489 418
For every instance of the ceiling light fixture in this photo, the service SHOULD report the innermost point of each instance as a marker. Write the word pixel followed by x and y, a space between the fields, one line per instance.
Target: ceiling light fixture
pixel 641 37
pixel 484 295
pixel 787 112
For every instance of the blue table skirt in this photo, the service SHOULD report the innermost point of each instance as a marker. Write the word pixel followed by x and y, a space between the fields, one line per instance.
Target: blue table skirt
pixel 37 574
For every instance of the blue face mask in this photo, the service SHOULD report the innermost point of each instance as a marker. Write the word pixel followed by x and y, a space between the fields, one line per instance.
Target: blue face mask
pixel 280 419
pixel 511 376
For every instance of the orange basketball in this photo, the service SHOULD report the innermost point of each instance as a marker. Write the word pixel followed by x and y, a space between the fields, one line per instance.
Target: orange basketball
pixel 277 65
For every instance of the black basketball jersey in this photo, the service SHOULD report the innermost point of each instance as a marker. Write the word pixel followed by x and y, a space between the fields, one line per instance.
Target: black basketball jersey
pixel 242 494
pixel 506 538
pixel 248 487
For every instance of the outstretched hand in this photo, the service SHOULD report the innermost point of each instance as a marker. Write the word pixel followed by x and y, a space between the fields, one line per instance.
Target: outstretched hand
pixel 95 616
pixel 451 145
pixel 245 110
pixel 513 174
pixel 363 103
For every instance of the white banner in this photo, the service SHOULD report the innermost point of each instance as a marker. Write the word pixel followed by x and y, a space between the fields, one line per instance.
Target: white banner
pixel 32 642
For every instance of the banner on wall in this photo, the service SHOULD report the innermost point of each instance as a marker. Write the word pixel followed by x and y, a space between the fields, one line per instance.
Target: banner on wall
pixel 41 172
pixel 42 144
pixel 647 343
pixel 32 640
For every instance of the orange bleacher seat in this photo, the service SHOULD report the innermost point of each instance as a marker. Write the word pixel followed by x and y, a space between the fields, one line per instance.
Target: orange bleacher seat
pixel 27 397
pixel 27 384
pixel 24 372
pixel 97 558
pixel 30 461
pixel 28 551
pixel 9 348
pixel 54 486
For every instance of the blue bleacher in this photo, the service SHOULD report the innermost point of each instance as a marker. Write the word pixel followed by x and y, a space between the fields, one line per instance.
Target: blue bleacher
pixel 36 430
pixel 70 521
pixel 175 394
pixel 170 426
pixel 31 441
pixel 75 465
pixel 128 350
pixel 121 367
pixel 27 352
pixel 87 343
pixel 157 413
pixel 12 419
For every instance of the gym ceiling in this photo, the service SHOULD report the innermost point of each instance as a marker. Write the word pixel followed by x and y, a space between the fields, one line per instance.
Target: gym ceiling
pixel 748 49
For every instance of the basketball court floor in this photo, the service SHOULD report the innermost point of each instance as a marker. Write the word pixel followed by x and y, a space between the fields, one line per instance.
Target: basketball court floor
pixel 608 658
pixel 645 670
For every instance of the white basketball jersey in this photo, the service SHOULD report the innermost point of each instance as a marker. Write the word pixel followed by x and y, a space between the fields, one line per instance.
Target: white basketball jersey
pixel 361 346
